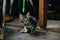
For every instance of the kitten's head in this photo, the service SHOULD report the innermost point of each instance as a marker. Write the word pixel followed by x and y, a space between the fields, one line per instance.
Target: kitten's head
pixel 24 18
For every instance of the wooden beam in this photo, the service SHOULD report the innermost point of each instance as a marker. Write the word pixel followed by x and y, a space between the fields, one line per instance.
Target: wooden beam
pixel 43 13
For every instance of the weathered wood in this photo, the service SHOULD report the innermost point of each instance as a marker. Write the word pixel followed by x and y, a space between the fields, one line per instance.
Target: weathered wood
pixel 43 13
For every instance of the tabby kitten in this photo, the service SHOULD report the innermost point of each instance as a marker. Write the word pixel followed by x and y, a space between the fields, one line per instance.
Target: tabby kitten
pixel 27 22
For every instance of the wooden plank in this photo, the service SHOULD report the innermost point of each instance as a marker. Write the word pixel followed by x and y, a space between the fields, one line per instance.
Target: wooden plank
pixel 43 13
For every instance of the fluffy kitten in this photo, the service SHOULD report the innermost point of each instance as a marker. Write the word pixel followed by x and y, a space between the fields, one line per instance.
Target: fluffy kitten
pixel 27 22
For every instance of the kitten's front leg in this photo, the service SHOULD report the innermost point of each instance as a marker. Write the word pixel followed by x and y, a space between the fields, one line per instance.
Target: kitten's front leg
pixel 24 30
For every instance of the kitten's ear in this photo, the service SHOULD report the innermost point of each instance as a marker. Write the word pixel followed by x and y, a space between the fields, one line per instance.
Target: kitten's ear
pixel 20 15
pixel 28 14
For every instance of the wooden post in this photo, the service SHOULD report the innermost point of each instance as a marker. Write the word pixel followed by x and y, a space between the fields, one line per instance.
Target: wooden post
pixel 43 13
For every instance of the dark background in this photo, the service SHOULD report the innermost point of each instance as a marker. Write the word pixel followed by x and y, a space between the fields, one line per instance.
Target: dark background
pixel 1 4
pixel 55 6
pixel 17 8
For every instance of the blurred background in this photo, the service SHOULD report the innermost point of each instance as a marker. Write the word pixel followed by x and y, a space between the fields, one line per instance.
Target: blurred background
pixel 53 8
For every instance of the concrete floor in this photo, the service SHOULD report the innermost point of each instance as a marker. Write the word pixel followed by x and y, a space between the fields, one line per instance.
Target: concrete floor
pixel 53 24
pixel 12 33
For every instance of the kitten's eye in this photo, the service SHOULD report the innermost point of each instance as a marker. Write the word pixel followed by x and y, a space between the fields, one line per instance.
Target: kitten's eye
pixel 21 21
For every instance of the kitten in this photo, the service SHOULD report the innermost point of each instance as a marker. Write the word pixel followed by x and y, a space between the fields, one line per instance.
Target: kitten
pixel 27 22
